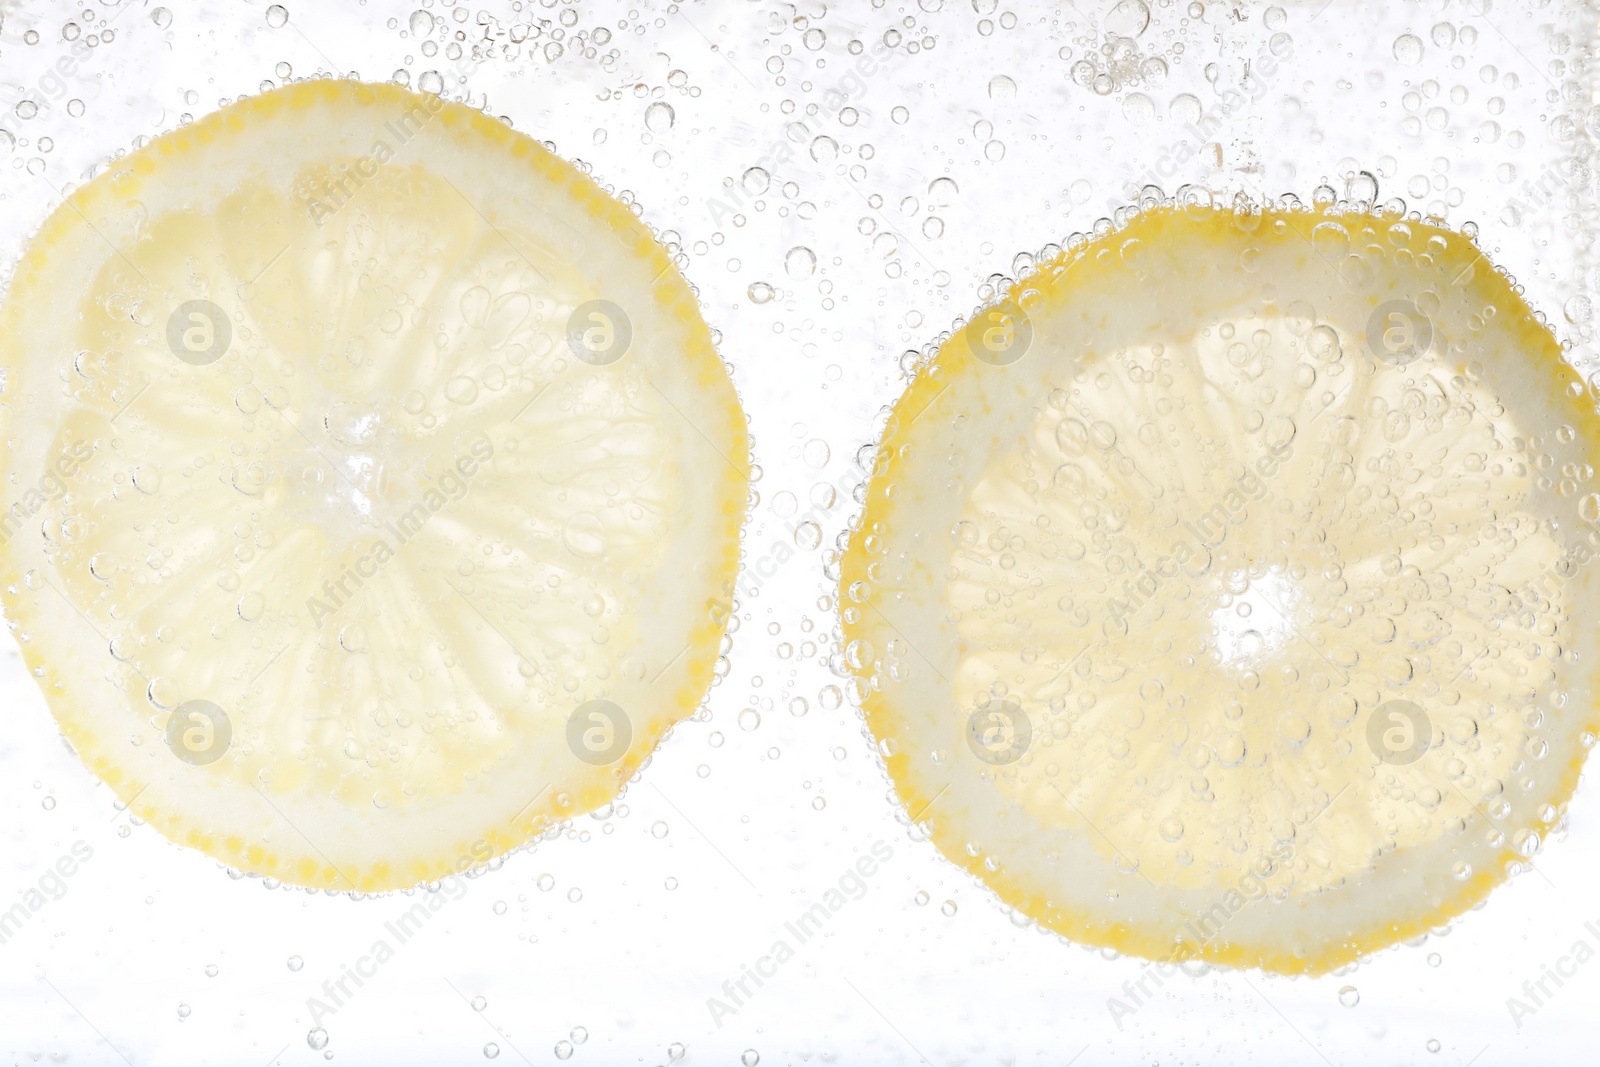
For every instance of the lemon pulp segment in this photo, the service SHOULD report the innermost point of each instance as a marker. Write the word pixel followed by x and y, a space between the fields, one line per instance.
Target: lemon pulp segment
pixel 373 485
pixel 1217 593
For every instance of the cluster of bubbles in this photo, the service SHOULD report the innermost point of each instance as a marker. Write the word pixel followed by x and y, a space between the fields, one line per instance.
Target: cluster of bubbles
pixel 81 36
pixel 465 38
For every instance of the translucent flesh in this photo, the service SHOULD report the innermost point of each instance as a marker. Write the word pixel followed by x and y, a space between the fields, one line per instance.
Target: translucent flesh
pixel 1199 535
pixel 398 531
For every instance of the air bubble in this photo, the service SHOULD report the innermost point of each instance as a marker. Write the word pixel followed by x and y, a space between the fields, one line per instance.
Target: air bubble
pixel 1128 18
pixel 755 181
pixel 659 117
pixel 800 263
pixel 1138 109
pixel 1185 108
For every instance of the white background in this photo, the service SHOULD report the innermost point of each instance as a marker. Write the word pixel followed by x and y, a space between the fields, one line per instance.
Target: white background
pixel 637 930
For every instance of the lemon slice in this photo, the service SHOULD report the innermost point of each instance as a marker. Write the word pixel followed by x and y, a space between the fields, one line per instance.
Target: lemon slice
pixel 374 487
pixel 1216 594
